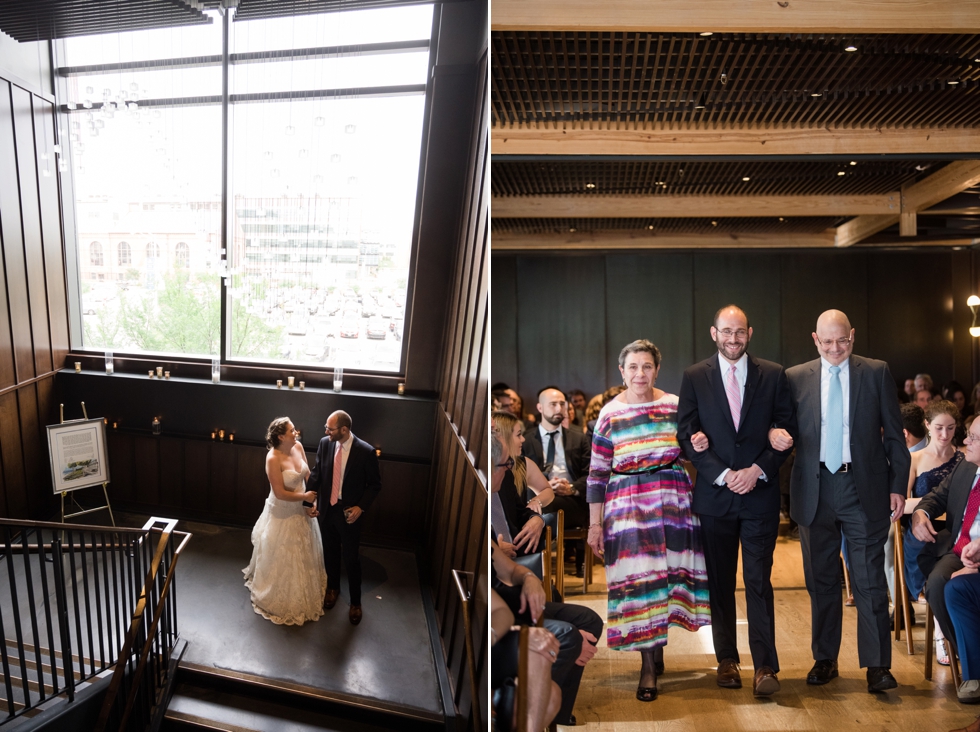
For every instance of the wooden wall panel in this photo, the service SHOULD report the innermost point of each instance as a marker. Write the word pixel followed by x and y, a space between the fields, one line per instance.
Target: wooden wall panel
pixel 147 455
pixel 171 490
pixel 907 307
pixel 31 309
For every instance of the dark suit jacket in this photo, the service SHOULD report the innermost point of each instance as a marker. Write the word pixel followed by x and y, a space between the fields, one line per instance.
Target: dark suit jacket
pixel 879 457
pixel 362 478
pixel 703 406
pixel 950 497
pixel 578 455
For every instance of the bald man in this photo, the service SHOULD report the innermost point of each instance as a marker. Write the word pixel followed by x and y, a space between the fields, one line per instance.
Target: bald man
pixel 850 476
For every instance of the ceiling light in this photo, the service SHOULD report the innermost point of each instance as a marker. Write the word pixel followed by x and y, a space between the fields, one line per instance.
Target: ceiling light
pixel 952 82
pixel 571 230
pixel 590 185
pixel 840 172
pixel 781 218
pixel 714 223
pixel 850 49
pixel 854 162
pixel 746 179
pixel 816 94
pixel 921 167
pixel 650 227
pixel 707 33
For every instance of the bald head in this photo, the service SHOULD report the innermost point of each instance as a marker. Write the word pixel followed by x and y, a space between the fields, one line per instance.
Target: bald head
pixel 338 426
pixel 834 337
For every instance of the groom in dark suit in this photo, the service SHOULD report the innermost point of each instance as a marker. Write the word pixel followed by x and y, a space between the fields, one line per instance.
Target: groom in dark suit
pixel 734 399
pixel 347 479
pixel 850 475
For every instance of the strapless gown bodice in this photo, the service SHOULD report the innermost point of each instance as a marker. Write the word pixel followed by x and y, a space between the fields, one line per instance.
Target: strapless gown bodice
pixel 286 576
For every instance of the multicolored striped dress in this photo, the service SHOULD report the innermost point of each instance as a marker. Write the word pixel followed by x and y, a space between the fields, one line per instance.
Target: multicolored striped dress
pixel 655 567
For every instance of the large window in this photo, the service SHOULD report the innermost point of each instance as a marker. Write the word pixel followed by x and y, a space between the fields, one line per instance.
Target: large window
pixel 324 135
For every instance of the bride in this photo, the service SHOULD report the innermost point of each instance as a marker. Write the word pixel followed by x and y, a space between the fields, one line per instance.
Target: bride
pixel 286 576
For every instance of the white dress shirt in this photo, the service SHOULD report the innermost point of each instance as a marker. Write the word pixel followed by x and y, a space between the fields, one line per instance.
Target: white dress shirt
pixel 845 385
pixel 344 455
pixel 559 468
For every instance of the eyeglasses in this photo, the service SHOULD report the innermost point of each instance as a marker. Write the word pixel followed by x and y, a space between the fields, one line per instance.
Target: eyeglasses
pixel 740 333
pixel 842 342
pixel 507 464
pixel 970 437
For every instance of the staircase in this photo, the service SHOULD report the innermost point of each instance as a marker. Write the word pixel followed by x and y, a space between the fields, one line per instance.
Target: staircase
pixel 210 699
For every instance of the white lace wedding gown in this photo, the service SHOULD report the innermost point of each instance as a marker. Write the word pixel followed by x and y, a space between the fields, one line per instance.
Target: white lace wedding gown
pixel 286 576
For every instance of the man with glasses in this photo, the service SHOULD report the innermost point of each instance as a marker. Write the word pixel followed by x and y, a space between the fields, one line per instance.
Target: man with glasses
pixel 850 475
pixel 733 399
pixel 347 479
pixel 958 496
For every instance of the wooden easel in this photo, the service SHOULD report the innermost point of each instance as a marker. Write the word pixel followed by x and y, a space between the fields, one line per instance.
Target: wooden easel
pixel 105 492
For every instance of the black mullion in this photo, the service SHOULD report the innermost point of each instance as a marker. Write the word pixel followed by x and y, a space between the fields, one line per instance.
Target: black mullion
pixel 47 610
pixel 16 607
pixel 88 606
pixel 29 581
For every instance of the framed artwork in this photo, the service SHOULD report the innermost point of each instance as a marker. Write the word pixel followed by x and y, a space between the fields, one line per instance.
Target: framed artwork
pixel 78 454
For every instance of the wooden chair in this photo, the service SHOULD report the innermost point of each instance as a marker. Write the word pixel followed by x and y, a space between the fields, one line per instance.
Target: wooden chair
pixel 563 535
pixel 954 661
pixel 904 614
pixel 541 564
pixel 464 581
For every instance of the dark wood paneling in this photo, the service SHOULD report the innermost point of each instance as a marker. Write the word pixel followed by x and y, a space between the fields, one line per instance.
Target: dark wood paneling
pixel 31 222
pixel 13 457
pixel 197 475
pixel 35 449
pixel 963 348
pixel 171 490
pixel 558 313
pixel 910 305
pixel 122 467
pixel 748 280
pixel 650 298
pixel 224 479
pixel 147 454
pixel 503 298
pixel 253 484
pixel 813 283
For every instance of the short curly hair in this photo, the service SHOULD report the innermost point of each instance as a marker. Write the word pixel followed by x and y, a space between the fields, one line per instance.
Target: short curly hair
pixel 942 406
pixel 274 435
pixel 641 345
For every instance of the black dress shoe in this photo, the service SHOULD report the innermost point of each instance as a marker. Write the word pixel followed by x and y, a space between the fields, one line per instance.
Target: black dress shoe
pixel 570 722
pixel 822 672
pixel 355 614
pixel 880 679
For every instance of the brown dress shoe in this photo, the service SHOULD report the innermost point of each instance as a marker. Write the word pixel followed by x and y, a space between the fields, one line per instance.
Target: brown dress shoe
pixel 765 682
pixel 728 675
pixel 330 599
pixel 975 727
pixel 355 614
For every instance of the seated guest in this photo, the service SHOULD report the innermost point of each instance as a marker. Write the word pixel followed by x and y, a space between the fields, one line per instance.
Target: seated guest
pixel 963 603
pixel 914 427
pixel 923 382
pixel 958 496
pixel 577 398
pixel 929 467
pixel 923 397
pixel 577 628
pixel 909 390
pixel 563 457
pixel 596 405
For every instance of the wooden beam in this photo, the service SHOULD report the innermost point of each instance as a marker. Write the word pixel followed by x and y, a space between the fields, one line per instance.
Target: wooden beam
pixel 950 180
pixel 633 241
pixel 907 224
pixel 746 16
pixel 602 139
pixel 676 206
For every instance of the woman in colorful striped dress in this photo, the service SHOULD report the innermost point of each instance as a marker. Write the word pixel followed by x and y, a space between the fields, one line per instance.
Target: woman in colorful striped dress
pixel 641 520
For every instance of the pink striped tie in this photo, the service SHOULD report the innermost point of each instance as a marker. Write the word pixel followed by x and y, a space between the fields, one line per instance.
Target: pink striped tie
pixel 335 487
pixel 734 399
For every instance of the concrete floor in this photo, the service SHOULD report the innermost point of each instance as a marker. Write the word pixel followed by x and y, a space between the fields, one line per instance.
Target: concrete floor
pixel 387 657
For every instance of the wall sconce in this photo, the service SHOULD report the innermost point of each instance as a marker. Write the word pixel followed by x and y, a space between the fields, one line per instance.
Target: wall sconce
pixel 973 302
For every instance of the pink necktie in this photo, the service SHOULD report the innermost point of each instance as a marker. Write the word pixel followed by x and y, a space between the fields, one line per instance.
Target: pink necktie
pixel 972 508
pixel 335 489
pixel 734 400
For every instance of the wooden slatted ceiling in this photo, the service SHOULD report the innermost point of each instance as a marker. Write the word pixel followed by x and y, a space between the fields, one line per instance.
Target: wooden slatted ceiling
pixel 708 226
pixel 734 79
pixel 817 177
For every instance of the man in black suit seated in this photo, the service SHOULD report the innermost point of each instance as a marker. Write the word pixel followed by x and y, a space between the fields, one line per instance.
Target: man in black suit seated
pixel 563 456
pixel 347 479
pixel 734 399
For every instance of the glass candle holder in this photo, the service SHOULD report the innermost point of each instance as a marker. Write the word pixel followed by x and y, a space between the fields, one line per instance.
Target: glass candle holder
pixel 338 379
pixel 150 373
pixel 401 389
pixel 156 425
pixel 78 367
pixel 166 374
pixel 302 385
pixel 159 372
pixel 215 370
pixel 109 366
pixel 279 383
pixel 290 381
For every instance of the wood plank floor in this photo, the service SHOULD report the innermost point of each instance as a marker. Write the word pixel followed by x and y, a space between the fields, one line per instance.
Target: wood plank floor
pixel 690 700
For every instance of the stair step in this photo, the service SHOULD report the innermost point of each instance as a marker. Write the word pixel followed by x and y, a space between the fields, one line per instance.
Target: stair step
pixel 206 707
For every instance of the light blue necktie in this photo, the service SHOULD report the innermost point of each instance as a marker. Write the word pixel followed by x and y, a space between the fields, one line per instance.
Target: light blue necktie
pixel 833 455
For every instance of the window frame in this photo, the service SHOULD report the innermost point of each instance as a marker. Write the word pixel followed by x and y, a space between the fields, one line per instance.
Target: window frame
pixel 239 369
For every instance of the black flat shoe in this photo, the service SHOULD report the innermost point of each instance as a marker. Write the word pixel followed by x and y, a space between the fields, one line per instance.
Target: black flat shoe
pixel 646 693
pixel 880 679
pixel 822 672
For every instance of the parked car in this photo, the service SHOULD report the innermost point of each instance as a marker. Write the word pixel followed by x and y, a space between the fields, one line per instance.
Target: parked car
pixel 350 328
pixel 377 329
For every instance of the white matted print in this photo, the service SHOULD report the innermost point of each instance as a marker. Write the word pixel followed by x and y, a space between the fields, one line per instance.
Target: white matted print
pixel 78 454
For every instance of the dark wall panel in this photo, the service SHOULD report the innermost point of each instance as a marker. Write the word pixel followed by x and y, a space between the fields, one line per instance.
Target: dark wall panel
pixel 650 298
pixel 813 283
pixel 560 310
pixel 750 281
pixel 503 303
pixel 910 304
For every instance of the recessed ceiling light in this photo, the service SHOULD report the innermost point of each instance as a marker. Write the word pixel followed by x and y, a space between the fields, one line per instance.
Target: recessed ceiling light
pixel 840 172
pixel 571 230
pixel 781 218
pixel 746 179
pixel 952 82
pixel 590 185
pixel 650 227
pixel 707 33
pixel 714 223
pixel 854 162
pixel 816 94
pixel 850 49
